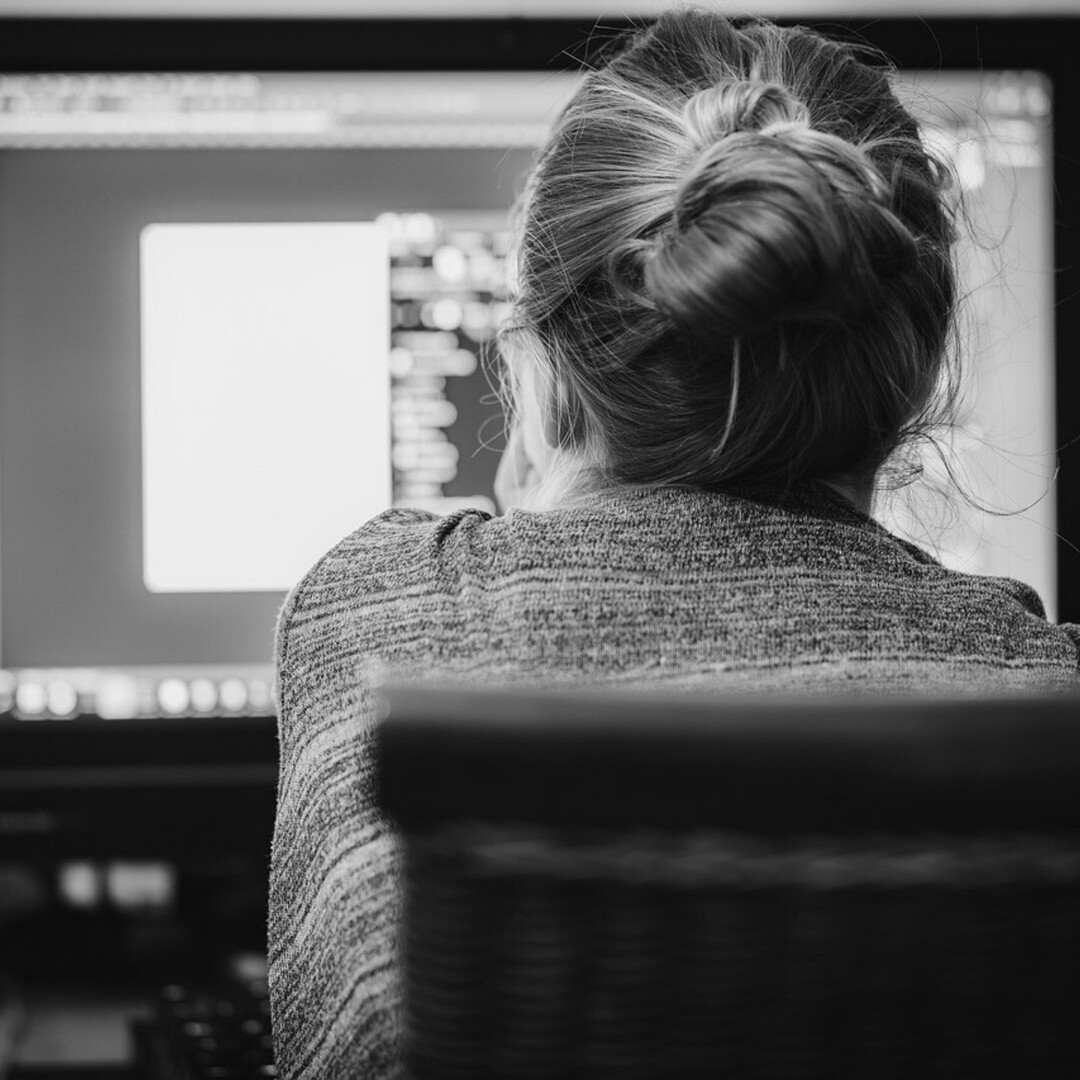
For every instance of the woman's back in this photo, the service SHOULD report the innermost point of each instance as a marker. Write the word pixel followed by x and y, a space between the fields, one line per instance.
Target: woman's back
pixel 733 592
pixel 675 582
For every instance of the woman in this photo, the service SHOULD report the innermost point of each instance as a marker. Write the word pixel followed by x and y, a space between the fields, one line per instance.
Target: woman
pixel 735 292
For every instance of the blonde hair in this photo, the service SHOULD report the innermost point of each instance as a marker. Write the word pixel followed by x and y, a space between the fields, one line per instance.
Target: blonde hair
pixel 735 261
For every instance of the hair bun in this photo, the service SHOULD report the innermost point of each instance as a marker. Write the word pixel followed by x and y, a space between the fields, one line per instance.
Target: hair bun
pixel 728 107
pixel 773 221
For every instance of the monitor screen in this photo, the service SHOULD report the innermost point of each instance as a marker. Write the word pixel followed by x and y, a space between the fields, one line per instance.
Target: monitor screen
pixel 240 313
pixel 985 500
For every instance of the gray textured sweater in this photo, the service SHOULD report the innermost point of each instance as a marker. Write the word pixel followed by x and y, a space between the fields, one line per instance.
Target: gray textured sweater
pixel 735 593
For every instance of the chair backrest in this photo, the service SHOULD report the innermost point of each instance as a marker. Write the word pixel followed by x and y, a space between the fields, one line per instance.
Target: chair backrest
pixel 606 883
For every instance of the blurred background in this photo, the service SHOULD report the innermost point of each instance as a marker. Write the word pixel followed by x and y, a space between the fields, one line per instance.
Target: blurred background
pixel 254 255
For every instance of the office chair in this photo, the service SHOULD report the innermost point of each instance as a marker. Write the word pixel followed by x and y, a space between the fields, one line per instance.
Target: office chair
pixel 605 884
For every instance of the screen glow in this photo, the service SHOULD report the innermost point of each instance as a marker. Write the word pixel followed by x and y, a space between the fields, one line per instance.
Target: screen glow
pixel 265 398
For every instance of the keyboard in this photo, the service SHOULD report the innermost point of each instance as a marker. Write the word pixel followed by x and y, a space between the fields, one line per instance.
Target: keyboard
pixel 219 1032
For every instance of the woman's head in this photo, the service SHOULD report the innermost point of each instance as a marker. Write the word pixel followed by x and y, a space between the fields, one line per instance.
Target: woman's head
pixel 734 261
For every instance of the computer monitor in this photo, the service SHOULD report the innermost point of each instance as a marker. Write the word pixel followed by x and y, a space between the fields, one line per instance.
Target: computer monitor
pixel 240 314
pixel 250 274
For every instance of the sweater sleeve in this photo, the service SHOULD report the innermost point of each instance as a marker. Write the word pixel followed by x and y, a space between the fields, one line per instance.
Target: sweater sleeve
pixel 334 988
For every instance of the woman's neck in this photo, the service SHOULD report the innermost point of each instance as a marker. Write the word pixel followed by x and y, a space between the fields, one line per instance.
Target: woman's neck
pixel 860 493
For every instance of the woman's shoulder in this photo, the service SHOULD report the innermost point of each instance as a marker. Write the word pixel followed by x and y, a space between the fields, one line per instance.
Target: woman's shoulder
pixel 405 548
pixel 408 560
pixel 399 549
pixel 805 558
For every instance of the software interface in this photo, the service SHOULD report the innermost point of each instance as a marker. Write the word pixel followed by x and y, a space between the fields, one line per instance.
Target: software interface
pixel 241 313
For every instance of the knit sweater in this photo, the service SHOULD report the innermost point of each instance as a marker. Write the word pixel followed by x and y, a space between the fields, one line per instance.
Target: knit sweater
pixel 732 592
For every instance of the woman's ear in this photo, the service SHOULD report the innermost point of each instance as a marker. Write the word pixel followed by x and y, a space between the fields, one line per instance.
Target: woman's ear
pixel 563 418
pixel 554 427
pixel 548 411
pixel 532 400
